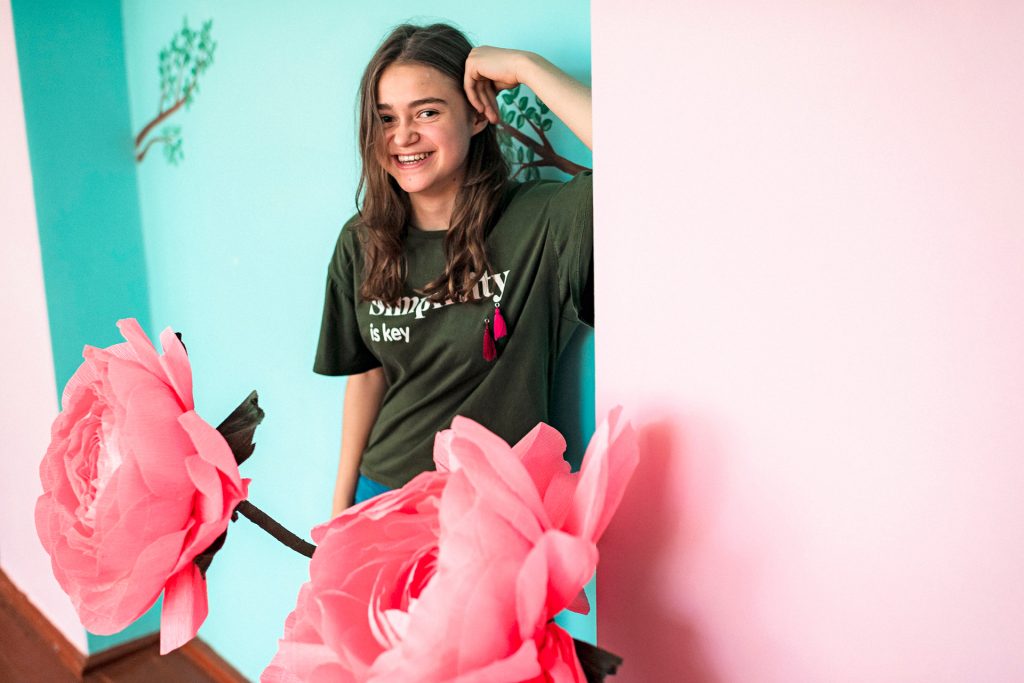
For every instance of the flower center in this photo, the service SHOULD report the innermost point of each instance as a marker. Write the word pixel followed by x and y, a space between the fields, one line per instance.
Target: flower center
pixel 101 470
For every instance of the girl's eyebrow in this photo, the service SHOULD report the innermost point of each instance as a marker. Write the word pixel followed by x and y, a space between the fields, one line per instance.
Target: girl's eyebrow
pixel 415 103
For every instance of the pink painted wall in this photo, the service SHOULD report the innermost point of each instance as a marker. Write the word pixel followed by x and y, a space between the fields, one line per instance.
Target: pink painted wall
pixel 810 248
pixel 28 402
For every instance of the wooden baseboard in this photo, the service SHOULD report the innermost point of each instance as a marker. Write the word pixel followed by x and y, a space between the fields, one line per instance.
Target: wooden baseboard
pixel 34 650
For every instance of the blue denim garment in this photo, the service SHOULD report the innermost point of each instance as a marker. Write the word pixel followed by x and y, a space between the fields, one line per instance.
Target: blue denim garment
pixel 368 488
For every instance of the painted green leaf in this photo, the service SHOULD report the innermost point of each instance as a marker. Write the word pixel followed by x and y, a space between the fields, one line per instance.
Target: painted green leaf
pixel 519 154
pixel 523 102
pixel 507 98
pixel 519 120
pixel 543 107
pixel 546 126
pixel 510 116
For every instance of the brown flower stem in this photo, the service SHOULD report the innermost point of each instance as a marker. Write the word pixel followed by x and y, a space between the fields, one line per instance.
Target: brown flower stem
pixel 270 525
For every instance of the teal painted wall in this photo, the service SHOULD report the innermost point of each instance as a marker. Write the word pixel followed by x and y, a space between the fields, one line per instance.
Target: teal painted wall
pixel 71 64
pixel 239 234
pixel 236 238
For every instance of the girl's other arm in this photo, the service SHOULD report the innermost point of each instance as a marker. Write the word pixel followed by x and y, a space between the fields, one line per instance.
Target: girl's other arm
pixel 489 69
pixel 363 395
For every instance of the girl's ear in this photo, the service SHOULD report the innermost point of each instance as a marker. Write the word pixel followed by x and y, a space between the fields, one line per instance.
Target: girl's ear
pixel 479 120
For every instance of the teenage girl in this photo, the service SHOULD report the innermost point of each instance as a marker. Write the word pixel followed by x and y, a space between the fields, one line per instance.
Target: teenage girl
pixel 453 289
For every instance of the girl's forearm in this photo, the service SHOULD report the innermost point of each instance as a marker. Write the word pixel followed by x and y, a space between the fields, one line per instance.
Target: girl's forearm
pixel 564 95
pixel 363 395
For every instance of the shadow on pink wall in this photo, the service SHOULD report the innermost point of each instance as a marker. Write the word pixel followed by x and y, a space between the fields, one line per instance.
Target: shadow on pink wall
pixel 650 534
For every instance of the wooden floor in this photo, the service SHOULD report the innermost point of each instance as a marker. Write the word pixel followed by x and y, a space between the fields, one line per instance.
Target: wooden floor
pixel 32 650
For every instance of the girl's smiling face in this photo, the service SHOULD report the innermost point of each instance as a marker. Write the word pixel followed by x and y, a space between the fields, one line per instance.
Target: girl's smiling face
pixel 427 125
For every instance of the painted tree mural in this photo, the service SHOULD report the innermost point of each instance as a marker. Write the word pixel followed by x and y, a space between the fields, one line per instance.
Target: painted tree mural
pixel 182 62
pixel 529 154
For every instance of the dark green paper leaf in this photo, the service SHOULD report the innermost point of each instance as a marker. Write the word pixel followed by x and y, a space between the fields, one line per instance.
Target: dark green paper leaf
pixel 595 662
pixel 239 427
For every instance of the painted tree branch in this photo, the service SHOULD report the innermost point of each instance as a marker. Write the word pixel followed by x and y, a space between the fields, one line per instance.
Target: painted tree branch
pixel 546 152
pixel 162 116
pixel 532 164
pixel 537 129
pixel 166 139
pixel 182 63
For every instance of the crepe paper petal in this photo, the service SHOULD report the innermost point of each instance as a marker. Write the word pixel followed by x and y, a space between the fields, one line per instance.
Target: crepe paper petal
pixel 135 486
pixel 558 657
pixel 541 452
pixel 531 594
pixel 298 662
pixel 444 459
pixel 580 604
pixel 148 419
pixel 370 561
pixel 107 608
pixel 520 666
pixel 145 352
pixel 607 466
pixel 489 463
pixel 211 446
pixel 176 367
pixel 184 608
pixel 552 575
pixel 558 499
pixel 83 380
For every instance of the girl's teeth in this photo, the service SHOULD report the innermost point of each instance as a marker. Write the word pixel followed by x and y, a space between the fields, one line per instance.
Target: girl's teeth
pixel 411 159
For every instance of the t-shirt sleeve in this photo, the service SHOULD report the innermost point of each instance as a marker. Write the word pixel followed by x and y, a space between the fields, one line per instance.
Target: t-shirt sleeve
pixel 571 225
pixel 341 350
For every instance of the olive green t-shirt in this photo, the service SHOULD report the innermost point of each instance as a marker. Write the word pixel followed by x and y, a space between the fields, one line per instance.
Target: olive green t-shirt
pixel 540 251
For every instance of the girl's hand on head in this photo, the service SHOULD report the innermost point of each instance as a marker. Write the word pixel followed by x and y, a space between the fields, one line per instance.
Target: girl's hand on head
pixel 488 70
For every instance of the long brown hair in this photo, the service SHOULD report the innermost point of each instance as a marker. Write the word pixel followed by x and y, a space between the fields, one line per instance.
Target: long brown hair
pixel 386 209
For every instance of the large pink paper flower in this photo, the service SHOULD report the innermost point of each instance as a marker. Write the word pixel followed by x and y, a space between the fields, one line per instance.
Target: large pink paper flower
pixel 136 485
pixel 457 576
pixel 370 565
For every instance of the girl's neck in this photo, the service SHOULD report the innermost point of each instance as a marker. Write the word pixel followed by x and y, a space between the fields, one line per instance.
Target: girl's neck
pixel 432 212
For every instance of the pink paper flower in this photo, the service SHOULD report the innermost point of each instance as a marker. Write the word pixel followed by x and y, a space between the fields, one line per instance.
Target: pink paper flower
pixel 136 485
pixel 457 576
pixel 370 565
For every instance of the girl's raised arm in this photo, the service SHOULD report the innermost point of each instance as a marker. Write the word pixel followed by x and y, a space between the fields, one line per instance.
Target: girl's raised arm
pixel 490 69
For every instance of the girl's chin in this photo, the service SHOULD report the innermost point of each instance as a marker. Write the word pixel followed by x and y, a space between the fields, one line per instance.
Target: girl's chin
pixel 416 188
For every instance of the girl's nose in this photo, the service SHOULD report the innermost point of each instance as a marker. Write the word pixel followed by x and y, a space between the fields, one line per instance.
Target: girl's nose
pixel 405 135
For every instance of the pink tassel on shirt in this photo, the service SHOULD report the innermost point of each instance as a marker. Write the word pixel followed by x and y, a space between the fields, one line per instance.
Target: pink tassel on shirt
pixel 490 352
pixel 500 330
